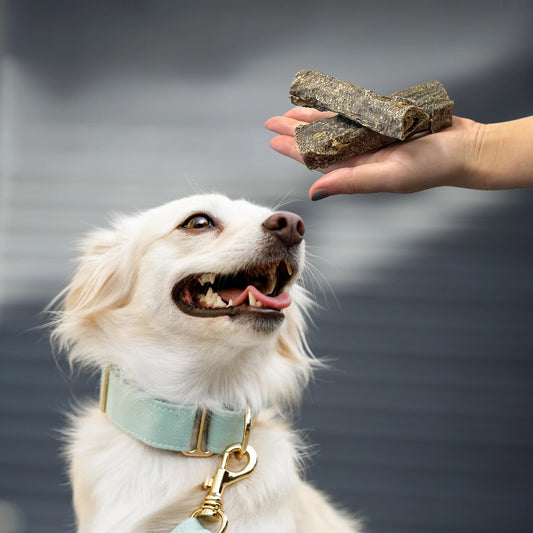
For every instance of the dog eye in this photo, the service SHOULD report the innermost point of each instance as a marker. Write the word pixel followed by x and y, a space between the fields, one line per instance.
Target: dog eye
pixel 198 222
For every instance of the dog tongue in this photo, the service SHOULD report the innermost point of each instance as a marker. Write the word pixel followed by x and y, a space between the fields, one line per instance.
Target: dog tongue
pixel 272 302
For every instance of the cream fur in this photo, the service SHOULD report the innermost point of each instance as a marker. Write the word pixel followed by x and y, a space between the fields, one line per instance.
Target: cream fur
pixel 118 309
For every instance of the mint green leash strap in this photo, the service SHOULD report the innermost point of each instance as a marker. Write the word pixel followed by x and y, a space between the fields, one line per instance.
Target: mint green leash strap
pixel 189 526
pixel 162 424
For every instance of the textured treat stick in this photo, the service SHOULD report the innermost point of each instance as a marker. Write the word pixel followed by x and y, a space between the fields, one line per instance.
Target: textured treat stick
pixel 388 115
pixel 324 142
pixel 432 98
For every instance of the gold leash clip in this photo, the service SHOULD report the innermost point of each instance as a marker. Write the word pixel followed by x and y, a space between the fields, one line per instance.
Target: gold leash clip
pixel 211 508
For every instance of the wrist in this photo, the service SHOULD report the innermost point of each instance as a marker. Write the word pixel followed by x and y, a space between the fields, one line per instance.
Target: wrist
pixel 500 154
pixel 478 150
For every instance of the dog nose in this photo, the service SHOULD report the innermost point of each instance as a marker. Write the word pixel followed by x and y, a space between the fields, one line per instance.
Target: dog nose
pixel 287 226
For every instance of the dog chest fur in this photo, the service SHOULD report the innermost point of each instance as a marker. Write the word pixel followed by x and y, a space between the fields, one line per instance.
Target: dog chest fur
pixel 165 486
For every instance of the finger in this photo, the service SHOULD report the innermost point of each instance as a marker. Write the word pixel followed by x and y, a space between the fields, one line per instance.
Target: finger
pixel 363 179
pixel 282 125
pixel 308 114
pixel 286 145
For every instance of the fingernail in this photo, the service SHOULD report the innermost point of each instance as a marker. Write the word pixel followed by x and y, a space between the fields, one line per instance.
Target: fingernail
pixel 319 194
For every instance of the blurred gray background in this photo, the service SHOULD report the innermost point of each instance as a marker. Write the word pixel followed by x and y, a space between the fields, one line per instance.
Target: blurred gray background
pixel 423 423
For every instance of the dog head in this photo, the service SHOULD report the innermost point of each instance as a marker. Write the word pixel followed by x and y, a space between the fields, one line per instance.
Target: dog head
pixel 196 301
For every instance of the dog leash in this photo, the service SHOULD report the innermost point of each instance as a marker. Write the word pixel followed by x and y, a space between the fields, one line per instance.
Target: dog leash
pixel 190 526
pixel 169 426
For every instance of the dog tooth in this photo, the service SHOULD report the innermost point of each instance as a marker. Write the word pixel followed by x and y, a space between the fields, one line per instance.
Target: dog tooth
pixel 230 303
pixel 289 268
pixel 251 299
pixel 207 278
pixel 211 297
pixel 219 301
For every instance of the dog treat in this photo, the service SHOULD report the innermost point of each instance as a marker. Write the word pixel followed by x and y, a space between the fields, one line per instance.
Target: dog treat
pixel 389 115
pixel 324 142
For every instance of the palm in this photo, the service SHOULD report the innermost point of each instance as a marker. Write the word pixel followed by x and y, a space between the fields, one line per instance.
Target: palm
pixel 421 163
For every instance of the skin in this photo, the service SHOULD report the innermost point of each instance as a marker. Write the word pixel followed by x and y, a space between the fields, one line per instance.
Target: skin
pixel 467 154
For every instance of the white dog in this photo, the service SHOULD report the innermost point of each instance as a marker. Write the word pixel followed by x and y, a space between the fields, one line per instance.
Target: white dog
pixel 192 308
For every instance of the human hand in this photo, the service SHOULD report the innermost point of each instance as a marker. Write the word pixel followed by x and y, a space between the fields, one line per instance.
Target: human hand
pixel 444 158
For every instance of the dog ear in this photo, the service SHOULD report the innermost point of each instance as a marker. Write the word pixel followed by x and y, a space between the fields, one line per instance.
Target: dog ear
pixel 104 280
pixel 105 275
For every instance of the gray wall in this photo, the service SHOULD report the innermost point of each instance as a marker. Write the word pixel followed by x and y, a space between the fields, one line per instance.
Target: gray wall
pixel 423 421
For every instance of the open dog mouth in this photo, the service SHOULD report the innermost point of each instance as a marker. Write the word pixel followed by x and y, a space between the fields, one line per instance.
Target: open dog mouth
pixel 257 289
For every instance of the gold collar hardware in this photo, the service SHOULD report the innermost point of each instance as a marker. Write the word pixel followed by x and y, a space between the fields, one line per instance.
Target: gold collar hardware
pixel 104 385
pixel 211 508
pixel 198 450
pixel 248 423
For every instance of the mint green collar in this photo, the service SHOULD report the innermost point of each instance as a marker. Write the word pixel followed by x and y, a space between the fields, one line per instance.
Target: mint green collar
pixel 168 426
